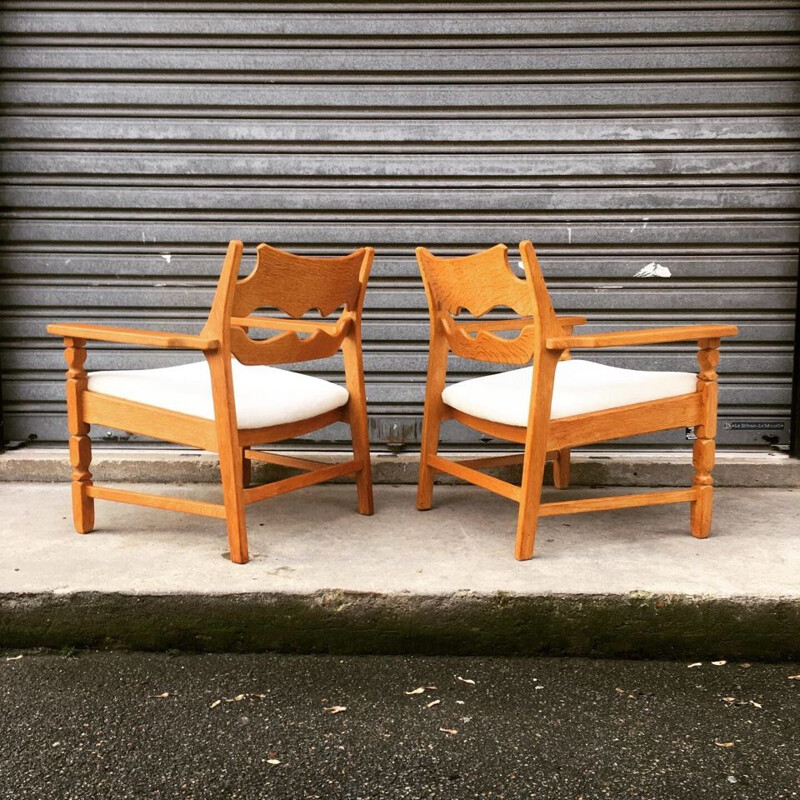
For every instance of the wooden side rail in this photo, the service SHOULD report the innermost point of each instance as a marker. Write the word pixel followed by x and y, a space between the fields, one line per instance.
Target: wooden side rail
pixel 256 493
pixel 111 333
pixel 617 501
pixel 157 501
pixel 459 470
pixel 283 460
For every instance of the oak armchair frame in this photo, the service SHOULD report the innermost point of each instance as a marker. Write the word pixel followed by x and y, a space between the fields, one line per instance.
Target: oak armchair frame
pixel 484 281
pixel 293 284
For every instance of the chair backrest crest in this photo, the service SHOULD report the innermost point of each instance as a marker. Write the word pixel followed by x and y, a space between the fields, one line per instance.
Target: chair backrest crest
pixel 294 285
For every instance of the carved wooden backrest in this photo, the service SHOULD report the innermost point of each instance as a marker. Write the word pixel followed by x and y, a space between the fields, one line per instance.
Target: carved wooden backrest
pixel 293 284
pixel 478 283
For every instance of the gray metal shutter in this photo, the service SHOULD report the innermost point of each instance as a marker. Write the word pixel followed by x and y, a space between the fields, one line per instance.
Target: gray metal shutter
pixel 139 137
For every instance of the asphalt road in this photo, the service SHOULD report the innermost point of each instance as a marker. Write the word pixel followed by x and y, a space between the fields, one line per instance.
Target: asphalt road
pixel 264 726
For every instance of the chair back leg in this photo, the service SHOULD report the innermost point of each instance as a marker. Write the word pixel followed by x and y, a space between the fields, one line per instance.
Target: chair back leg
pixel 704 446
pixel 432 417
pixel 230 467
pixel 544 370
pixel 247 469
pixel 80 445
pixel 561 469
pixel 231 455
pixel 357 417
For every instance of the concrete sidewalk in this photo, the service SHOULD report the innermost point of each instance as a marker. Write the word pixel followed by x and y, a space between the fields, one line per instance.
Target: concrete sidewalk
pixel 324 579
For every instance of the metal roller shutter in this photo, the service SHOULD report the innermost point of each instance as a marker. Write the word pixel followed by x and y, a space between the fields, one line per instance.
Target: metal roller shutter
pixel 138 137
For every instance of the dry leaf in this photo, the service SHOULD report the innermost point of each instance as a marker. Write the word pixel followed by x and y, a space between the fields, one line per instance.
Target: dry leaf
pixel 696 664
pixel 757 705
pixel 215 703
pixel 794 677
pixel 465 680
pixel 335 709
pixel 451 731
pixel 722 744
pixel 433 703
pixel 745 666
pixel 418 690
pixel 163 694
pixel 719 663
pixel 538 687
pixel 460 702
pixel 729 699
pixel 13 658
pixel 273 761
pixel 431 688
pixel 618 690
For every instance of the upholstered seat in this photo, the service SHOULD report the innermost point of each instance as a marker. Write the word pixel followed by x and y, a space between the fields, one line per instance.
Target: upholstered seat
pixel 580 387
pixel 264 396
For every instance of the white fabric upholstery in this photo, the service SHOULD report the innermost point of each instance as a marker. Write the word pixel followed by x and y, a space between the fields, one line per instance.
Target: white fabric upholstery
pixel 264 395
pixel 580 387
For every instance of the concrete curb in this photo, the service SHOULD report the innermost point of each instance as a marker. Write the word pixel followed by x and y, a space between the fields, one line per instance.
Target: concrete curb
pixel 768 469
pixel 624 626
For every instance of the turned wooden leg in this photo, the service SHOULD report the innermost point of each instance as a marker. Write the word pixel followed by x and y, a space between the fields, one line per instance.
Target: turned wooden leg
pixel 701 508
pixel 80 446
pixel 704 446
pixel 561 469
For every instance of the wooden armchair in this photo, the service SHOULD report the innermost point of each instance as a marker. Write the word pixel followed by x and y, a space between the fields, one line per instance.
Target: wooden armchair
pixel 557 403
pixel 232 401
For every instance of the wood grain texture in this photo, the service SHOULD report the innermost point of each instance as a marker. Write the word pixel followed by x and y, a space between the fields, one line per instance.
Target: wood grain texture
pixel 680 333
pixel 292 284
pixel 483 281
pixel 145 338
pixel 80 445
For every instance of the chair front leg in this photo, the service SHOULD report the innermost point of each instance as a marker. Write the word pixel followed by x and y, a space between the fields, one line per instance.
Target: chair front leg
pixel 544 370
pixel 357 415
pixel 703 451
pixel 80 445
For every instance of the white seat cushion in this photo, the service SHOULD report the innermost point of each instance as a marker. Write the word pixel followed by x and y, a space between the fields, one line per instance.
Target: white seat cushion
pixel 264 395
pixel 580 387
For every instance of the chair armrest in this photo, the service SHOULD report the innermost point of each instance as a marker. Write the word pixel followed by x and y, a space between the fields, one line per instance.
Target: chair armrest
pixel 297 325
pixel 512 324
pixel 110 333
pixel 686 333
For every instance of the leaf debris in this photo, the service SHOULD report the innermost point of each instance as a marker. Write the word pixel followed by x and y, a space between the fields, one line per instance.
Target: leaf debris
pixel 451 731
pixel 718 743
pixel 465 680
pixel 696 664
pixel 335 709
pixel 433 703
pixel 719 663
